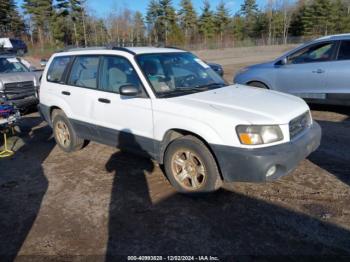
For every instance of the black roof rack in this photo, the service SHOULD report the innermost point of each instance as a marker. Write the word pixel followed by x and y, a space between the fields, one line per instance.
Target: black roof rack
pixel 111 47
pixel 125 49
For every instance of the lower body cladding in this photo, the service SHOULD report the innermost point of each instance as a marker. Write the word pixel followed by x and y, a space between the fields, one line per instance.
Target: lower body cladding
pixel 269 163
pixel 235 164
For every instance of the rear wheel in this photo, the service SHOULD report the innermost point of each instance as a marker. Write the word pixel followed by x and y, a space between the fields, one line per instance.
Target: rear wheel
pixel 190 166
pixel 258 84
pixel 64 133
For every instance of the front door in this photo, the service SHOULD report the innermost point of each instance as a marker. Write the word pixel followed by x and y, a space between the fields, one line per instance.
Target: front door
pixel 125 122
pixel 305 73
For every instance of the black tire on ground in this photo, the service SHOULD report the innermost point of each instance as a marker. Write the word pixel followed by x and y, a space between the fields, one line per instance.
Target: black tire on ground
pixel 258 84
pixel 212 180
pixel 75 142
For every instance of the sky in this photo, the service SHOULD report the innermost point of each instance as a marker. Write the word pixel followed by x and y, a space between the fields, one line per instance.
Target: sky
pixel 104 7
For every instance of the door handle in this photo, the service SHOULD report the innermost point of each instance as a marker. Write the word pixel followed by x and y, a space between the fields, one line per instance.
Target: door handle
pixel 318 71
pixel 104 100
pixel 65 93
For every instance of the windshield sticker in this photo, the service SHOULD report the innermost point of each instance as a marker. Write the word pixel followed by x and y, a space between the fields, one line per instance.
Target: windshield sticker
pixel 204 65
pixel 12 60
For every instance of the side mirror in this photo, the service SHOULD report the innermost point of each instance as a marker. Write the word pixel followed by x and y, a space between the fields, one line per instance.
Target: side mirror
pixel 43 62
pixel 129 90
pixel 284 61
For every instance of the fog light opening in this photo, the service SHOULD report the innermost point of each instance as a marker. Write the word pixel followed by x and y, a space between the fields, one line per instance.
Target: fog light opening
pixel 272 170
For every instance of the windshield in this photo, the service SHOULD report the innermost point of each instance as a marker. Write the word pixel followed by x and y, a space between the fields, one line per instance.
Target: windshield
pixel 11 65
pixel 175 74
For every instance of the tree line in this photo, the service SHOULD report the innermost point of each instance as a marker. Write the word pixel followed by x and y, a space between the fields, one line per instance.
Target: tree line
pixel 71 22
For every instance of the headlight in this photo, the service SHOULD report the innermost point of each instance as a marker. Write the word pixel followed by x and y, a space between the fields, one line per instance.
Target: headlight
pixel 257 135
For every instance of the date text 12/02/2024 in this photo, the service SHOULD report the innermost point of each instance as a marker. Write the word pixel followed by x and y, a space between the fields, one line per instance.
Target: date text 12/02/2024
pixel 173 258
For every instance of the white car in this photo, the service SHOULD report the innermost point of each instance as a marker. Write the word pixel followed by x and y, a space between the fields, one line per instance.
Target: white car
pixel 169 105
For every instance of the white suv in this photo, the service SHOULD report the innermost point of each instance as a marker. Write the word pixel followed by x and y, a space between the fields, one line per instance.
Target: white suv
pixel 171 106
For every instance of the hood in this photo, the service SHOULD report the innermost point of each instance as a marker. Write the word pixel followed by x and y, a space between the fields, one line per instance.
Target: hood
pixel 20 77
pixel 249 105
pixel 261 65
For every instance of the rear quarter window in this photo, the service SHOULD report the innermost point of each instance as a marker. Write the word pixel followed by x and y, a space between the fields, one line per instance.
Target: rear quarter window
pixel 57 69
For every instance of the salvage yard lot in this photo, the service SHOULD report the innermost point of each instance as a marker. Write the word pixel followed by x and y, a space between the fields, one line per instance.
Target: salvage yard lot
pixel 100 201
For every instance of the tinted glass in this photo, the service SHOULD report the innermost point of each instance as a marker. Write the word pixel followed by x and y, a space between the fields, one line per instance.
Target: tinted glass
pixel 178 73
pixel 116 72
pixel 344 51
pixel 315 53
pixel 84 71
pixel 11 65
pixel 57 68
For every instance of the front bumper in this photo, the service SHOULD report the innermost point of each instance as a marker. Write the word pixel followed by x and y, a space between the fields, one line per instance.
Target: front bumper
pixel 251 165
pixel 24 102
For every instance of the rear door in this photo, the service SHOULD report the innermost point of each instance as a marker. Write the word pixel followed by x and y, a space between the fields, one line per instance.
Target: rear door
pixel 338 77
pixel 125 122
pixel 306 71
pixel 72 84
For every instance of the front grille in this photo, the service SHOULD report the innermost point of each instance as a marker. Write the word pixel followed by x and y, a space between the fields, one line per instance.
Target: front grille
pixel 299 124
pixel 19 90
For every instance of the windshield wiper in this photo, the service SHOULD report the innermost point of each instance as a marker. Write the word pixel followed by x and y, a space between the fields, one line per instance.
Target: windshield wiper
pixel 211 86
pixel 190 90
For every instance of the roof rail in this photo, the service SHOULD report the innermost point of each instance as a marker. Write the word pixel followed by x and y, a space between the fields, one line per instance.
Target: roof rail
pixel 125 49
pixel 98 48
pixel 67 49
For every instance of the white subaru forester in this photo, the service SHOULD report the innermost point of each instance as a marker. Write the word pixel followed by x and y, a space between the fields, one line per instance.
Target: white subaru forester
pixel 169 105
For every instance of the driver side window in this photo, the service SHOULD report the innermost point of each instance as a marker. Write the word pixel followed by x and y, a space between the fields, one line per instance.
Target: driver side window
pixel 322 52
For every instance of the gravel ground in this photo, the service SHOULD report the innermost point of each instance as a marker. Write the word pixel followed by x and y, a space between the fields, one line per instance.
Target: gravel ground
pixel 100 202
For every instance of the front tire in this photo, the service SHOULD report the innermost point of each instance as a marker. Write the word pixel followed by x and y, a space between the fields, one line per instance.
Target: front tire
pixel 191 167
pixel 64 133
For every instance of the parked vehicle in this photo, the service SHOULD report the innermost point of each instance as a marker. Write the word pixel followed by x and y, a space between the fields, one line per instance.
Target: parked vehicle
pixel 169 105
pixel 15 46
pixel 318 71
pixel 217 68
pixel 18 83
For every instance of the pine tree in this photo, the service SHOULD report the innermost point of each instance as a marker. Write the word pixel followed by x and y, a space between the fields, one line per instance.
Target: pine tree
pixel 40 12
pixel 249 10
pixel 166 19
pixel 153 12
pixel 221 19
pixel 187 18
pixel 206 22
pixel 73 9
pixel 11 23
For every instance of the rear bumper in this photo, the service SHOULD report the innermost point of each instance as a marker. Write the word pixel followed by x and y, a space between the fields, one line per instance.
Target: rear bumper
pixel 251 165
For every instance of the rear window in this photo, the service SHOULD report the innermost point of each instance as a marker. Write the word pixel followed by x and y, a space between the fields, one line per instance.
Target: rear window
pixel 57 69
pixel 344 51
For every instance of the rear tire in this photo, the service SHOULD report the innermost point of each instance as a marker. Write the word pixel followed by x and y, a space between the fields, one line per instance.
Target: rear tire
pixel 191 167
pixel 258 84
pixel 64 133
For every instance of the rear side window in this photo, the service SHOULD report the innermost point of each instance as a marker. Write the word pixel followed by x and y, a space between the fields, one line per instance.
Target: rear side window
pixel 84 72
pixel 344 51
pixel 57 69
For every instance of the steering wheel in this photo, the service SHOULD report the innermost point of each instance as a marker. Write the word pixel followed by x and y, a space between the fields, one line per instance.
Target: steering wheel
pixel 187 80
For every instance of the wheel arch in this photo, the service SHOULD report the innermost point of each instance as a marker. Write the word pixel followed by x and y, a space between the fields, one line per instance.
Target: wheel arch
pixel 175 133
pixel 259 81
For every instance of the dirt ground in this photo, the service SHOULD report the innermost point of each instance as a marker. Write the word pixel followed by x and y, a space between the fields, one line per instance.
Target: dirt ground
pixel 99 202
